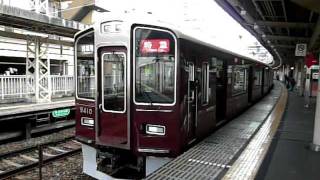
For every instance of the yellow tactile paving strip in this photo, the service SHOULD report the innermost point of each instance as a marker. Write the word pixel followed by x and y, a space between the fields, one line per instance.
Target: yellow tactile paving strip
pixel 248 163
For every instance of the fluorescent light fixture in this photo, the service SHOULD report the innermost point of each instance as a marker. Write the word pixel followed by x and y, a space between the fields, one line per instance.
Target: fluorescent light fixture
pixel 292 68
pixel 243 12
pixel 85 121
pixel 155 129
pixel 111 27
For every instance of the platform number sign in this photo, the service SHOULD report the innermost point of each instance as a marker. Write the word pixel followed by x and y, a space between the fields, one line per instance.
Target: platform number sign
pixel 301 50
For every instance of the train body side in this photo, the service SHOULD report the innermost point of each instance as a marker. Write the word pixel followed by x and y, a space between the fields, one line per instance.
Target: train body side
pixel 135 103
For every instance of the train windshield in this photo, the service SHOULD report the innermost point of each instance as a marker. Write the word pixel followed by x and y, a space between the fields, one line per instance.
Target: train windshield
pixel 85 66
pixel 154 66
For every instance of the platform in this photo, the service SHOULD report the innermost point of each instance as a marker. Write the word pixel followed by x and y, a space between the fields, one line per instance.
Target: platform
pixel 18 110
pixel 228 153
pixel 289 156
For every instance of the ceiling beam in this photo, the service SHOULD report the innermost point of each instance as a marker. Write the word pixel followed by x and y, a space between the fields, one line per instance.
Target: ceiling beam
pixel 284 46
pixel 285 24
pixel 287 38
pixel 267 0
pixel 315 36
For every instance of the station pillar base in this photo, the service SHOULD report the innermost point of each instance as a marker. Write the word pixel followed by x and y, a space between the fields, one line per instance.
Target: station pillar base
pixel 315 147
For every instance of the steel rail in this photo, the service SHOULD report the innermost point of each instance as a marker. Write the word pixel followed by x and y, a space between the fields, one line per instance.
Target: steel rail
pixel 29 166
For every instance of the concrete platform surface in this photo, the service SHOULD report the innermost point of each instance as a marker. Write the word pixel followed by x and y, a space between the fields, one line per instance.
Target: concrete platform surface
pixel 289 156
pixel 21 108
pixel 213 157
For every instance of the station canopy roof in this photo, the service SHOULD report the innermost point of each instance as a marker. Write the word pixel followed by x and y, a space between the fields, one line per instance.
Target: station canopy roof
pixel 279 24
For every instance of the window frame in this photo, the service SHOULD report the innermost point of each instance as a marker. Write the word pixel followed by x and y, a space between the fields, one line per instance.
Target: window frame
pixel 245 80
pixel 76 67
pixel 205 85
pixel 124 82
pixel 260 72
pixel 134 66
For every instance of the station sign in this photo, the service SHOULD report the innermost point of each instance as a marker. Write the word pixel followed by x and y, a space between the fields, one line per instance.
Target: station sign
pixel 60 113
pixel 301 50
pixel 155 46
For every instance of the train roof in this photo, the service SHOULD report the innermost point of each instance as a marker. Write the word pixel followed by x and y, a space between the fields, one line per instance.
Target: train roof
pixel 151 20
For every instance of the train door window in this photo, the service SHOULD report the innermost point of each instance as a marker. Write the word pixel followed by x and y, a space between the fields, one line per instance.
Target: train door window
pixel 85 71
pixel 114 81
pixel 205 83
pixel 258 77
pixel 239 80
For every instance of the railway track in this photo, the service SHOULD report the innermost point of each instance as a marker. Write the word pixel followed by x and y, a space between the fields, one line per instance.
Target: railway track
pixel 16 162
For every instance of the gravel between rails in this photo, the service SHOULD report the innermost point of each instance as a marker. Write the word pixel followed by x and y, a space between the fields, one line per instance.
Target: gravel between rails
pixel 66 168
pixel 56 136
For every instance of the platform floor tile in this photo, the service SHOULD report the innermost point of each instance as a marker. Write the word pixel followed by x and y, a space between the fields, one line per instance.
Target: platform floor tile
pixel 212 157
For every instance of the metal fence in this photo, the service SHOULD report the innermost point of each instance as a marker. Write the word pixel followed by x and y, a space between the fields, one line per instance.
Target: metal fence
pixel 62 84
pixel 16 86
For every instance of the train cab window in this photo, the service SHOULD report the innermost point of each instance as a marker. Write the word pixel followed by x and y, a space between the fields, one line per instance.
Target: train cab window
pixel 239 80
pixel 85 66
pixel 205 83
pixel 114 81
pixel 155 66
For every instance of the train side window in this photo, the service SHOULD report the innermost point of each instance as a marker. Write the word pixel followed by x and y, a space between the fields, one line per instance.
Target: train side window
pixel 205 83
pixel 239 77
pixel 85 71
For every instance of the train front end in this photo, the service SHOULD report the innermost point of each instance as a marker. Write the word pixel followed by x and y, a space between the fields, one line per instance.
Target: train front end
pixel 127 101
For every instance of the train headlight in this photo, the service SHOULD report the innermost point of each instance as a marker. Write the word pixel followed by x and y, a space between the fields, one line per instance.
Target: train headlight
pixel 85 121
pixel 111 27
pixel 155 129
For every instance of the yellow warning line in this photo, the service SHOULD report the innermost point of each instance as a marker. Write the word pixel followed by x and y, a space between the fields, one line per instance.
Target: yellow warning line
pixel 247 165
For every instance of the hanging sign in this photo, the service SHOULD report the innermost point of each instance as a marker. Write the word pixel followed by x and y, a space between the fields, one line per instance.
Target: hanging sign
pixel 155 46
pixel 301 50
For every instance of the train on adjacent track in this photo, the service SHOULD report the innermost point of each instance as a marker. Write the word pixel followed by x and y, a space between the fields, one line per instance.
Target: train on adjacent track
pixel 146 91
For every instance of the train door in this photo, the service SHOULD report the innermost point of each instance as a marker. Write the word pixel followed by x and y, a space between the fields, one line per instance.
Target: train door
pixel 113 112
pixel 192 102
pixel 221 91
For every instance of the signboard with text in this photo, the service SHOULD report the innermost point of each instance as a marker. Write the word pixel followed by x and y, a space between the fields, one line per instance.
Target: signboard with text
pixel 155 46
pixel 60 113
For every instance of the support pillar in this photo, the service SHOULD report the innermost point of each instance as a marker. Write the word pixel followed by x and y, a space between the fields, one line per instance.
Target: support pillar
pixel 302 78
pixel 38 71
pixel 296 71
pixel 28 129
pixel 307 89
pixel 40 6
pixel 283 73
pixel 316 132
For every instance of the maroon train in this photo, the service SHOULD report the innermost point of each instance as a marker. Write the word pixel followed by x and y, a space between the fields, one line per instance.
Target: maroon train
pixel 144 92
